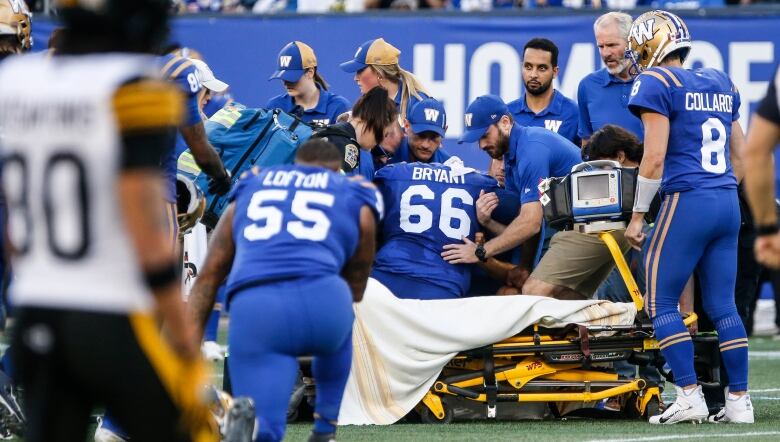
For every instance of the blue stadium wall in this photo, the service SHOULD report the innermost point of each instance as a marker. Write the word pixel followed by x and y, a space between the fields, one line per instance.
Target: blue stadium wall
pixel 459 57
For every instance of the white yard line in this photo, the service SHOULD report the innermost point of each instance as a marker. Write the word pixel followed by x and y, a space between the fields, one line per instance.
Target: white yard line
pixel 764 354
pixel 766 390
pixel 692 436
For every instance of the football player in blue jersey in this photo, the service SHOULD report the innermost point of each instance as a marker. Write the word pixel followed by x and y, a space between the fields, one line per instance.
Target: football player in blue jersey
pixel 692 135
pixel 542 105
pixel 183 72
pixel 307 92
pixel 428 206
pixel 296 245
pixel 425 127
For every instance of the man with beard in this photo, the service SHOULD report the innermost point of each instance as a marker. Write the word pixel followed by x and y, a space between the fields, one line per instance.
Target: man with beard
pixel 542 105
pixel 603 95
pixel 425 127
pixel 575 264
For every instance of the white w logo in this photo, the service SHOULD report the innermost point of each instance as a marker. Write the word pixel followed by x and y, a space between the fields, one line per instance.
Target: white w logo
pixel 641 32
pixel 467 117
pixel 284 61
pixel 431 114
pixel 552 125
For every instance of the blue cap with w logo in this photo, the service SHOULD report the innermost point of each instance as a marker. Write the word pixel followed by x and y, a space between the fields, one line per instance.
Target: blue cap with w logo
pixel 428 116
pixel 293 60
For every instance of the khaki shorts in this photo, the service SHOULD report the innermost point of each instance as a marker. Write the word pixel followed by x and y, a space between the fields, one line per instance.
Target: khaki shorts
pixel 578 261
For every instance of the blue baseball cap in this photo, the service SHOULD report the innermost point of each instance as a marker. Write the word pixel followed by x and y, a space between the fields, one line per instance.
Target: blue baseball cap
pixel 373 52
pixel 428 116
pixel 480 115
pixel 293 60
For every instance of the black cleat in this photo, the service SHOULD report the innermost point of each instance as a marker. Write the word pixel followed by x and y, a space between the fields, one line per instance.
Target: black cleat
pixel 322 437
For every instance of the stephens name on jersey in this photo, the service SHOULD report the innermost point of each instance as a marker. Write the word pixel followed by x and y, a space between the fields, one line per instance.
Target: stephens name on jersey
pixel 296 221
pixel 428 206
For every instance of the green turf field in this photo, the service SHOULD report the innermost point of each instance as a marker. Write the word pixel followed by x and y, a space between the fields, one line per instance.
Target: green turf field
pixel 764 383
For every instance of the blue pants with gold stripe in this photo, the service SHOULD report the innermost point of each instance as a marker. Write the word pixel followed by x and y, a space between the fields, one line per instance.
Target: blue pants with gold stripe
pixel 272 324
pixel 696 230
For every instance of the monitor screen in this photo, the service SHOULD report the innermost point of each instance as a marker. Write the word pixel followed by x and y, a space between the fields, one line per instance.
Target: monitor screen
pixel 592 187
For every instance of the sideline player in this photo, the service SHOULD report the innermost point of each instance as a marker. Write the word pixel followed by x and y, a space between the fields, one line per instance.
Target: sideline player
pixel 296 244
pixel 15 38
pixel 428 206
pixel 184 73
pixel 84 134
pixel 542 105
pixel 691 125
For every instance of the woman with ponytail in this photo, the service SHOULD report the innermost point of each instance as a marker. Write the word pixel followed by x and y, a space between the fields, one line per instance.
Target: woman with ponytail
pixel 307 93
pixel 376 64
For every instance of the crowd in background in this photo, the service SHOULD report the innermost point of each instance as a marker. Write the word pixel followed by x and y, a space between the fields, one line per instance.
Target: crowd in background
pixel 325 6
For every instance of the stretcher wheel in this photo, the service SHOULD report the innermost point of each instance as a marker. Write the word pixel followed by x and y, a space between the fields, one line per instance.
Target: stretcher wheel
pixel 653 408
pixel 427 416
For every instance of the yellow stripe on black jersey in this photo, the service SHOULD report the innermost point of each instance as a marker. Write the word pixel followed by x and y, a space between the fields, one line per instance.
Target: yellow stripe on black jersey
pixel 148 104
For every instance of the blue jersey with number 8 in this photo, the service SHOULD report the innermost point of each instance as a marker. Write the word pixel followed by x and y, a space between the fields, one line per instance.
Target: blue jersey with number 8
pixel 701 106
pixel 296 221
pixel 428 207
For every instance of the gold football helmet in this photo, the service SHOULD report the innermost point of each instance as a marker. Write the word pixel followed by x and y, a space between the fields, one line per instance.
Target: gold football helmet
pixel 15 19
pixel 190 203
pixel 653 36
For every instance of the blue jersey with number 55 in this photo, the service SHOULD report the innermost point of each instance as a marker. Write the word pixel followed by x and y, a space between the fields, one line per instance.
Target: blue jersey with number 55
pixel 428 206
pixel 701 106
pixel 296 221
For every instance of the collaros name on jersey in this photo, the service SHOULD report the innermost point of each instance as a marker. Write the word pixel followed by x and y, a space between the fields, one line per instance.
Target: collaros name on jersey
pixel 285 178
pixel 708 102
pixel 438 175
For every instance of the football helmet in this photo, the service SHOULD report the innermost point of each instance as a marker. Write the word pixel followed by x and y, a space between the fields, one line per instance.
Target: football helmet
pixel 15 19
pixel 653 36
pixel 190 203
pixel 131 25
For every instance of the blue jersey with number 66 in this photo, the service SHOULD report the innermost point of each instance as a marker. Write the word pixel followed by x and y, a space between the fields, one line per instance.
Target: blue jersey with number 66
pixel 428 206
pixel 296 221
pixel 701 106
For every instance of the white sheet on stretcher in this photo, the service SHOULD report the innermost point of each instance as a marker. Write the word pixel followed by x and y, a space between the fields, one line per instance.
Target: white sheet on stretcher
pixel 401 346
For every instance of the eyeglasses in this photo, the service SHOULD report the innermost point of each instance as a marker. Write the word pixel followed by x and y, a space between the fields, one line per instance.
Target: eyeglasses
pixel 379 153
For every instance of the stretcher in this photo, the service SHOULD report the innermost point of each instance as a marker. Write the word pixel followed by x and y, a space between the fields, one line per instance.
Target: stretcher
pixel 561 367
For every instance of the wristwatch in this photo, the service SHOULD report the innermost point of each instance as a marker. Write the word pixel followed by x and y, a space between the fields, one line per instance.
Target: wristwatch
pixel 480 252
pixel 767 229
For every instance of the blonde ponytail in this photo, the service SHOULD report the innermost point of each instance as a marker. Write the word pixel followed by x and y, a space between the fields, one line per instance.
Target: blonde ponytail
pixel 410 85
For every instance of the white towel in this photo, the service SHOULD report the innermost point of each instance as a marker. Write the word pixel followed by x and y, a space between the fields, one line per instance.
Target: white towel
pixel 457 167
pixel 401 345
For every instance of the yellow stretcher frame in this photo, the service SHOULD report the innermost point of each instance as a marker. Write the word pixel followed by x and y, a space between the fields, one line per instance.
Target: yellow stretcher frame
pixel 533 368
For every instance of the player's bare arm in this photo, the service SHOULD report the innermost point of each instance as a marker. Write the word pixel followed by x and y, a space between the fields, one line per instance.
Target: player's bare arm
pixel 357 269
pixel 759 184
pixel 651 167
pixel 140 195
pixel 203 152
pixel 486 204
pixel 214 271
pixel 525 225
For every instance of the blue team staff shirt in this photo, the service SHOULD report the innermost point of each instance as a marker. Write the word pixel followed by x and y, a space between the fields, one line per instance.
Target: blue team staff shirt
pixel 403 154
pixel 603 99
pixel 561 116
pixel 533 155
pixel 428 207
pixel 296 221
pixel 184 74
pixel 328 108
pixel 701 106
